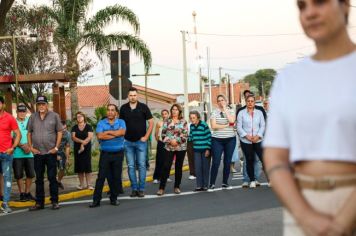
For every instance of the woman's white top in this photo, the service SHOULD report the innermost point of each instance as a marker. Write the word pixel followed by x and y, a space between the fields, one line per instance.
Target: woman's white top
pixel 313 110
pixel 250 124
pixel 221 119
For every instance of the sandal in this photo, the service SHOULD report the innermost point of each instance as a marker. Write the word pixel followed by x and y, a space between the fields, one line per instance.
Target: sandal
pixel 90 187
pixel 79 187
pixel 160 192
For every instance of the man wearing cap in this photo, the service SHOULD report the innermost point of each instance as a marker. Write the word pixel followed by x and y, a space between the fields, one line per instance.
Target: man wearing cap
pixel 7 145
pixel 44 137
pixel 23 157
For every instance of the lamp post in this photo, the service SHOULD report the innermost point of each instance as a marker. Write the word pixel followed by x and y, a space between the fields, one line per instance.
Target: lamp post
pixel 146 75
pixel 14 37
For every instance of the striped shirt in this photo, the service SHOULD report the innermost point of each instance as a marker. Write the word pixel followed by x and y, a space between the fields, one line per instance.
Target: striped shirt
pixel 221 119
pixel 200 136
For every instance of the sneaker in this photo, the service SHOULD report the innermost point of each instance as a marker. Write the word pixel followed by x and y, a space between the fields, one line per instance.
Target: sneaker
pixel 192 177
pixel 23 197
pixel 211 188
pixel 60 185
pixel 226 187
pixel 5 208
pixel 253 184
pixel 29 197
pixel 114 203
pixel 244 185
pixel 169 180
pixel 177 191
pixel 134 193
pixel 94 204
pixel 140 194
pixel 198 189
pixel 258 184
pixel 205 189
pixel 55 206
pixel 155 181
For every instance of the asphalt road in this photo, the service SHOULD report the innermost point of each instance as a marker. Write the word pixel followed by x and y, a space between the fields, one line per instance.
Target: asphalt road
pixel 222 212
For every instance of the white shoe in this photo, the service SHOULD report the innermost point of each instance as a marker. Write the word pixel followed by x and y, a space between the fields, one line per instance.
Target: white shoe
pixel 253 184
pixel 192 177
pixel 244 185
pixel 155 181
pixel 258 184
pixel 233 170
pixel 169 180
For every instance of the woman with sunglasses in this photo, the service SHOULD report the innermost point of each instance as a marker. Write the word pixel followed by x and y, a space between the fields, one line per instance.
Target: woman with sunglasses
pixel 222 122
pixel 310 151
pixel 251 128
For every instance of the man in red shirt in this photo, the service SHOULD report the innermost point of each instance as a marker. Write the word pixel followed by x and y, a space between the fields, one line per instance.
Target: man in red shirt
pixel 8 124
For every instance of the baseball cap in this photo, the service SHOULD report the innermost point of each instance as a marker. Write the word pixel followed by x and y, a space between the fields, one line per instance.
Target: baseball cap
pixel 21 108
pixel 41 99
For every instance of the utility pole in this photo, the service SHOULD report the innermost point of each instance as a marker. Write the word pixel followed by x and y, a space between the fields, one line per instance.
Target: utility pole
pixel 198 58
pixel 209 78
pixel 220 80
pixel 146 82
pixel 119 78
pixel 185 78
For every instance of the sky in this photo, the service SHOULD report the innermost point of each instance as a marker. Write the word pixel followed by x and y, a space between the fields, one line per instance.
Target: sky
pixel 242 36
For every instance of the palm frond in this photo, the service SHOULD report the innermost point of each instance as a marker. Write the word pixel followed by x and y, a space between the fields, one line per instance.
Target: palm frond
pixel 103 44
pixel 112 13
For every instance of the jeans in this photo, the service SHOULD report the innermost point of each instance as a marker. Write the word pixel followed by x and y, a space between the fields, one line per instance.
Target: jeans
pixel 257 170
pixel 168 160
pixel 159 160
pixel 202 169
pixel 250 151
pixel 220 145
pixel 41 161
pixel 110 168
pixel 6 164
pixel 136 153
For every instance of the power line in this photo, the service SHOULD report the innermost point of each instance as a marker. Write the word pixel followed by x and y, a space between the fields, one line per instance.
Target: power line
pixel 261 54
pixel 256 35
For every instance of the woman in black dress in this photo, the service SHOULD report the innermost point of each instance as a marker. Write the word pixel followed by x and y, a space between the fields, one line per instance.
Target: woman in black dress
pixel 82 134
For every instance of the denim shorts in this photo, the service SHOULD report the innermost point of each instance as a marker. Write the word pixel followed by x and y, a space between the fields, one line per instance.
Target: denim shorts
pixel 62 162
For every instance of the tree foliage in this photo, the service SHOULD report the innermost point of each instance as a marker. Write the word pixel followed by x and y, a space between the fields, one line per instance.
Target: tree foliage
pixel 33 55
pixel 73 31
pixel 261 80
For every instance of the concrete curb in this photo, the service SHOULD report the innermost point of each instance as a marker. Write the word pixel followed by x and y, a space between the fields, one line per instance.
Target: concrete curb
pixel 81 193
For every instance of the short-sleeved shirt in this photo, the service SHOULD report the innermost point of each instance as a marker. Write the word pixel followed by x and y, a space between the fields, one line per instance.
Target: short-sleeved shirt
pixel 7 124
pixel 44 132
pixel 64 141
pixel 111 145
pixel 135 120
pixel 309 129
pixel 221 119
pixel 19 153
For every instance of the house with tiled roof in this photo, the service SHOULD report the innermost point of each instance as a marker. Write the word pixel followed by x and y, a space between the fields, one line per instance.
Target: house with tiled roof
pixel 91 97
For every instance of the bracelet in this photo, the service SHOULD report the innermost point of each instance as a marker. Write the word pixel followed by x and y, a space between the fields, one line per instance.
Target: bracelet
pixel 279 167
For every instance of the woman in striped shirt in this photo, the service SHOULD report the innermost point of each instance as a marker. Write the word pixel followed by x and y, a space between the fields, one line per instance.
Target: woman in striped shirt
pixel 223 140
pixel 201 137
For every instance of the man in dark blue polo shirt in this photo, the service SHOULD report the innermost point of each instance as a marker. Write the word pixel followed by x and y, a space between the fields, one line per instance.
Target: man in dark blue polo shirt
pixel 110 132
pixel 136 115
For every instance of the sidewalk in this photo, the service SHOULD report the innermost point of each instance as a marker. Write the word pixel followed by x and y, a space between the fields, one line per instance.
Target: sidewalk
pixel 71 182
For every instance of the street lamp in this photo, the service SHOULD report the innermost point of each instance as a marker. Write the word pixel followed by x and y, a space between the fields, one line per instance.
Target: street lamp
pixel 14 37
pixel 146 75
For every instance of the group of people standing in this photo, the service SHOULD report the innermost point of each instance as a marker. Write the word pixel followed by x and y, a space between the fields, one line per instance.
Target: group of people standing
pixel 209 145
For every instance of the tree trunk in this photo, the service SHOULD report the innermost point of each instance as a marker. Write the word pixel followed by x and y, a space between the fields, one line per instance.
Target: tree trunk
pixel 74 106
pixel 5 6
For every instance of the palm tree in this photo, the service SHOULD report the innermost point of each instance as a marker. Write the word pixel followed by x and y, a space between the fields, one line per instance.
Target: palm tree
pixel 73 32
